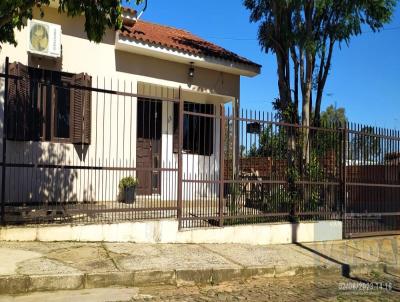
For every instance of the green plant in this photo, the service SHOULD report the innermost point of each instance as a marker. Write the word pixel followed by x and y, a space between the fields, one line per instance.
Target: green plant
pixel 235 197
pixel 314 172
pixel 289 197
pixel 278 201
pixel 99 15
pixel 128 182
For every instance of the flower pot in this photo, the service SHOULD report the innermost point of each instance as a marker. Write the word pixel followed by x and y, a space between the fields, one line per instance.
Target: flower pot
pixel 130 194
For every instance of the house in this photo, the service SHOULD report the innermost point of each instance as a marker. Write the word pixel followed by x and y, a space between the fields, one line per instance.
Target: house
pixel 67 144
pixel 392 158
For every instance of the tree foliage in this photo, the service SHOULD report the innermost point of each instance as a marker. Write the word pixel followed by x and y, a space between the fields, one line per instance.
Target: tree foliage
pixel 272 141
pixel 333 116
pixel 324 142
pixel 366 146
pixel 302 35
pixel 99 15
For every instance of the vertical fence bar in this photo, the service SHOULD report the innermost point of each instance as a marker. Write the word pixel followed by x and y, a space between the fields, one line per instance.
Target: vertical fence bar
pixel 180 146
pixel 344 179
pixel 221 165
pixel 3 170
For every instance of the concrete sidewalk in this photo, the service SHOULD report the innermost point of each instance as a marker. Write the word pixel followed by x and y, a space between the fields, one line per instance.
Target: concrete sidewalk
pixel 41 266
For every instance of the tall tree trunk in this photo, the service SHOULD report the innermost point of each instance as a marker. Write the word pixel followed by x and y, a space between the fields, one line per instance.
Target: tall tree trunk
pixel 307 83
pixel 283 83
pixel 296 67
pixel 322 77
pixel 306 106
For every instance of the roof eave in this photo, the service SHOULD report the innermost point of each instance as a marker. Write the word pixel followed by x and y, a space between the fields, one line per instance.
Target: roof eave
pixel 139 47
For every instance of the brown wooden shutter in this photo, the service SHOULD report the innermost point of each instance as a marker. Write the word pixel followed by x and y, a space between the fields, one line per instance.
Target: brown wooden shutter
pixel 10 118
pixel 81 100
pixel 19 110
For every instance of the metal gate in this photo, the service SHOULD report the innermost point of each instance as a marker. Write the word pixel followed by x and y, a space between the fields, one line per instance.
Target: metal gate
pixel 372 200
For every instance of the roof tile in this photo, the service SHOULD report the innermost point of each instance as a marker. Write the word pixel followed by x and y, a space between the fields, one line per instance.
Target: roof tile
pixel 180 40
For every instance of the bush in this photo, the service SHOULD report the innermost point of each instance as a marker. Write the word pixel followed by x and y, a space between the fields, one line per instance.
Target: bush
pixel 233 203
pixel 278 200
pixel 128 182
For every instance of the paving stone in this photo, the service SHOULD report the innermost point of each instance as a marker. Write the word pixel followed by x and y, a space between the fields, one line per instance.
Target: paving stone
pixel 44 266
pixel 184 264
pixel 44 247
pixel 166 257
pixel 321 288
pixel 93 258
pixel 86 295
pixel 10 259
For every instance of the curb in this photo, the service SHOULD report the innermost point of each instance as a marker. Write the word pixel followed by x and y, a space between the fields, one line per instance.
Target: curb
pixel 25 284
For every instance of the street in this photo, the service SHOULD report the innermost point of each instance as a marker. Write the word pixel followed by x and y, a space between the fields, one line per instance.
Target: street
pixel 373 287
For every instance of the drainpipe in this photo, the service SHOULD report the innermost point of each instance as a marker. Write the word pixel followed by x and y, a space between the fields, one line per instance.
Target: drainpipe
pixel 143 10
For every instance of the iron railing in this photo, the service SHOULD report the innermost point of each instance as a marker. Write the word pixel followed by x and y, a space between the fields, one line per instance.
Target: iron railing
pixel 203 164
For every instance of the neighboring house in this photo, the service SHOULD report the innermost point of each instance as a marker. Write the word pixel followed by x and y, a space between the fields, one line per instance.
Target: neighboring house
pixel 157 62
pixel 392 159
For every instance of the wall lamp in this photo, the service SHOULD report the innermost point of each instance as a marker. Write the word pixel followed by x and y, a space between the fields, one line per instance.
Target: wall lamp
pixel 191 71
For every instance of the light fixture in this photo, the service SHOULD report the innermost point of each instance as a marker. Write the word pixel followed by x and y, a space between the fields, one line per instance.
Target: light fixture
pixel 191 71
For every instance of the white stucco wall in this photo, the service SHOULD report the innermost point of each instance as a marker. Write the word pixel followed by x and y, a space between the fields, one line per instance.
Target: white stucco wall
pixel 166 231
pixel 195 167
pixel 113 138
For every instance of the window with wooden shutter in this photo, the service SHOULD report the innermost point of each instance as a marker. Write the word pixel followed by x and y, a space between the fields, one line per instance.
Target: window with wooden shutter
pixel 20 110
pixel 61 109
pixel 80 109
pixel 43 106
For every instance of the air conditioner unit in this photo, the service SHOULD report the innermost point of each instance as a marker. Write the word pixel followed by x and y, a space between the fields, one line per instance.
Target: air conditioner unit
pixel 44 38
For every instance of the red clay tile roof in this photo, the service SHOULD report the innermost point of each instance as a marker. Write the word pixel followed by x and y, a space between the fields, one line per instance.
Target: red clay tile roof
pixel 179 40
pixel 129 10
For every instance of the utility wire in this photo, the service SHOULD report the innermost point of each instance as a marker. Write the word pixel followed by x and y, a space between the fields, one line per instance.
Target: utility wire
pixel 255 39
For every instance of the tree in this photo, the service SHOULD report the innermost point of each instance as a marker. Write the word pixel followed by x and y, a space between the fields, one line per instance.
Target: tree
pixel 333 116
pixel 326 141
pixel 272 143
pixel 365 146
pixel 302 35
pixel 99 15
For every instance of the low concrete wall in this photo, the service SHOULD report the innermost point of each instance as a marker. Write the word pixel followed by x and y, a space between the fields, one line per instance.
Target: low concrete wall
pixel 166 231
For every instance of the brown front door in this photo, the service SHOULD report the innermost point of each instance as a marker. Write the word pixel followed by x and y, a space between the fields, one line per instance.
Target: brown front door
pixel 148 146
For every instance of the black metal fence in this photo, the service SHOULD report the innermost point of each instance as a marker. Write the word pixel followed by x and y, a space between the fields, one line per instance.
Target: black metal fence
pixel 266 174
pixel 57 168
pixel 68 140
pixel 372 201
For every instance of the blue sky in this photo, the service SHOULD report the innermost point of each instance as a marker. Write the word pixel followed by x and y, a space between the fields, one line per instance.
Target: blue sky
pixel 365 78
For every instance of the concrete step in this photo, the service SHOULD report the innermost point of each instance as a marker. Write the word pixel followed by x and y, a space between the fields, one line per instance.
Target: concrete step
pixel 27 267
pixel 10 285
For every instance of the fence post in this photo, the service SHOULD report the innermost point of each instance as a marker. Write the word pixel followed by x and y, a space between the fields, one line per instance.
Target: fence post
pixel 221 164
pixel 235 137
pixel 4 142
pixel 344 175
pixel 180 172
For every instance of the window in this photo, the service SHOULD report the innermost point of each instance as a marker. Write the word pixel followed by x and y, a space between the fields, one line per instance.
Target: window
pixel 198 131
pixel 43 106
pixel 50 94
pixel 149 118
pixel 62 113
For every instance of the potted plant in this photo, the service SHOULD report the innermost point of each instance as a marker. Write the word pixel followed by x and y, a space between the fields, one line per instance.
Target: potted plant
pixel 127 187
